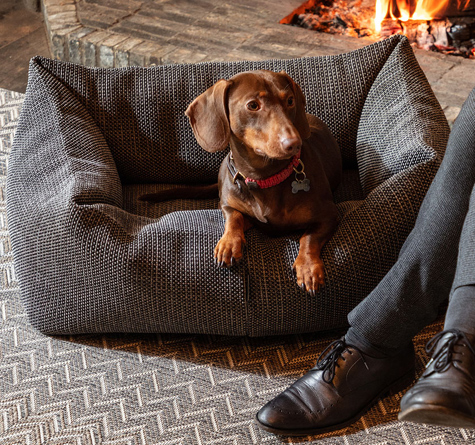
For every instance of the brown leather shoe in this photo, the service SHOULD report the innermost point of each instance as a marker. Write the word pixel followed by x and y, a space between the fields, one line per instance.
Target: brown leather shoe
pixel 342 386
pixel 445 393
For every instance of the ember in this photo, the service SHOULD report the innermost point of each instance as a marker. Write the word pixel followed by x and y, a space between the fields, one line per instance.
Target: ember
pixel 338 17
pixel 428 24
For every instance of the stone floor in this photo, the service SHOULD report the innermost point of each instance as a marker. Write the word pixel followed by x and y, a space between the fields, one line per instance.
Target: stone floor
pixel 22 36
pixel 144 32
pixel 115 33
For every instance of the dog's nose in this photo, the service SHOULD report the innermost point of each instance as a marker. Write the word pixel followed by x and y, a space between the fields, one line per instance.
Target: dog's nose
pixel 291 143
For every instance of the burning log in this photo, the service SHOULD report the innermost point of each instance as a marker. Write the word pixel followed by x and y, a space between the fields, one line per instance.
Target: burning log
pixel 439 31
pixel 419 32
pixel 390 27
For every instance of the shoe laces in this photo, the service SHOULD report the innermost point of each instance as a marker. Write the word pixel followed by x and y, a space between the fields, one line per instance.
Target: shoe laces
pixel 445 355
pixel 328 359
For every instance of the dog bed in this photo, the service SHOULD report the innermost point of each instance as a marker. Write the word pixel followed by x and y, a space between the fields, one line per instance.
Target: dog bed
pixel 91 258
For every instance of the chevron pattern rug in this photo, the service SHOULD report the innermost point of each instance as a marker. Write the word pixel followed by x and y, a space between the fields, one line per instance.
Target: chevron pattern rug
pixel 159 389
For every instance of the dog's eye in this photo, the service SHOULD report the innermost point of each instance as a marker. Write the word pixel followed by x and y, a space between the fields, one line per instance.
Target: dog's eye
pixel 253 105
pixel 291 101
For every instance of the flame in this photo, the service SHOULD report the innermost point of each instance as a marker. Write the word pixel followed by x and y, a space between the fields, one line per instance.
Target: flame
pixel 405 10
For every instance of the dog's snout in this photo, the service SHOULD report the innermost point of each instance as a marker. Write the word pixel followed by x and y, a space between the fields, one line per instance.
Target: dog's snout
pixel 290 144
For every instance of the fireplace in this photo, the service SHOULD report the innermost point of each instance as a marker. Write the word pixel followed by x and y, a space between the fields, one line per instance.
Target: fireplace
pixel 446 26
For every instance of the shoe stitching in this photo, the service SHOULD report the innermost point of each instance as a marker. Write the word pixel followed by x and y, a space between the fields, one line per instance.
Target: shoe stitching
pixel 318 411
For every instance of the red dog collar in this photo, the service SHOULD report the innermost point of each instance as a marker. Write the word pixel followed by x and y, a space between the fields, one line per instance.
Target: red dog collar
pixel 263 183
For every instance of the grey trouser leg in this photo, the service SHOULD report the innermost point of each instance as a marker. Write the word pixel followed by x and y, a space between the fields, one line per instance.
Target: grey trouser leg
pixel 465 274
pixel 461 311
pixel 408 297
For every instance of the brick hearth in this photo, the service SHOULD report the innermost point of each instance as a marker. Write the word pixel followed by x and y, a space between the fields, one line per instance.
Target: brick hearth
pixel 120 33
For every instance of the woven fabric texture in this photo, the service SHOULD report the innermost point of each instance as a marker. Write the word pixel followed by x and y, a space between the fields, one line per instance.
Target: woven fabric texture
pixel 465 272
pixel 90 259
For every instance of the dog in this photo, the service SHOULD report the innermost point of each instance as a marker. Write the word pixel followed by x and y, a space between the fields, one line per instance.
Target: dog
pixel 281 170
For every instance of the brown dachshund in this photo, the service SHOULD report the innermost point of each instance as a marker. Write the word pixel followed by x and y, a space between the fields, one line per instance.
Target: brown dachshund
pixel 281 170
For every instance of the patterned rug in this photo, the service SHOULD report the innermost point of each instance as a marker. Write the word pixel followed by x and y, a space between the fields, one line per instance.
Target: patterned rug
pixel 160 389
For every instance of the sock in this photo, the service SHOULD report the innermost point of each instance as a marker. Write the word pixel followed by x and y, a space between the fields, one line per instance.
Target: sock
pixel 461 311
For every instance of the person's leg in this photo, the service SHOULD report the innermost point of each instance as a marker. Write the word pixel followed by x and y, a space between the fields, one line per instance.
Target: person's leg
pixel 461 311
pixel 445 393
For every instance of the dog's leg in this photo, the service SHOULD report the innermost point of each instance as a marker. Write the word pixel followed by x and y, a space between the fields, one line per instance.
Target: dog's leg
pixel 228 251
pixel 309 265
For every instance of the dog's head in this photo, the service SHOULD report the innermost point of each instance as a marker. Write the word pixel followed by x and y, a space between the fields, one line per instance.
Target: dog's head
pixel 264 110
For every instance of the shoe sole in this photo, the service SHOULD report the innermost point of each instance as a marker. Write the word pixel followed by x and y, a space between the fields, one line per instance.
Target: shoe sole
pixel 394 388
pixel 436 415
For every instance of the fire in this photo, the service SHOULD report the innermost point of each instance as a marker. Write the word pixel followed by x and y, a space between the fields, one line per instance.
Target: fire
pixel 405 10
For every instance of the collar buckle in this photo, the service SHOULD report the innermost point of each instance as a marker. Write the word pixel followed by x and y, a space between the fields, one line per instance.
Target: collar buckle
pixel 238 176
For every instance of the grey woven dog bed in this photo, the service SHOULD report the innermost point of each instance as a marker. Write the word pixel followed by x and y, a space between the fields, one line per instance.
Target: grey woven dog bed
pixel 91 258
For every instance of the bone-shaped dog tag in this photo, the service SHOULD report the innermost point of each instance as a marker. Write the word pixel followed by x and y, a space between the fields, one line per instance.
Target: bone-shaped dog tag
pixel 301 185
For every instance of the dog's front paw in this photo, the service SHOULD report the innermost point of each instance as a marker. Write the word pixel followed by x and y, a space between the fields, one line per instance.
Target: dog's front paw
pixel 228 251
pixel 310 274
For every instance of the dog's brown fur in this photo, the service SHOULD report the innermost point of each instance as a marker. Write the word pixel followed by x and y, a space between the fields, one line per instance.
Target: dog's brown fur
pixel 261 115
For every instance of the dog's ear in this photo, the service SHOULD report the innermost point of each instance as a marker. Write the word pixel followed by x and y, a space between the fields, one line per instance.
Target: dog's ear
pixel 208 117
pixel 301 121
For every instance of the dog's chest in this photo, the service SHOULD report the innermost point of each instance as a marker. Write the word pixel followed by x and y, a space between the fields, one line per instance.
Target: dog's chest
pixel 282 212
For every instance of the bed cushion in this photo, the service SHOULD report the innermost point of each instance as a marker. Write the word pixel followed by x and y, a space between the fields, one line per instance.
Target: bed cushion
pixel 90 258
